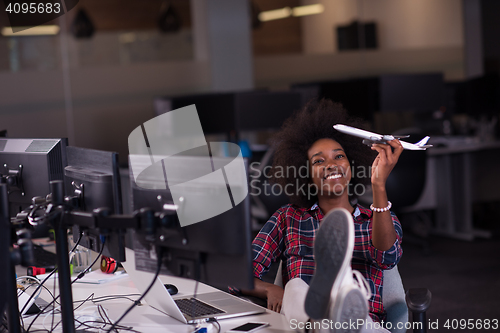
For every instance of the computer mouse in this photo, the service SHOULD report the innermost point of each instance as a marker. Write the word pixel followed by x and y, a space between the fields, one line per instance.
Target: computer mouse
pixel 172 290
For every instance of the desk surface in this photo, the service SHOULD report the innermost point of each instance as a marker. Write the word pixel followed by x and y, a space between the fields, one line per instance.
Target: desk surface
pixel 146 319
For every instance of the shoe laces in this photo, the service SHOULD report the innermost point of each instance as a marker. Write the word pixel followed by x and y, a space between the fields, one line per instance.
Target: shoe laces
pixel 362 283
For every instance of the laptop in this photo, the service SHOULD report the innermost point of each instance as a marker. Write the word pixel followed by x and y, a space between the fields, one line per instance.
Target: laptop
pixel 185 308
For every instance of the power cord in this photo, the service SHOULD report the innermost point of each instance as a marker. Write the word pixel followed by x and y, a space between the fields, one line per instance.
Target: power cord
pixel 105 298
pixel 98 319
pixel 82 274
pixel 55 269
pixel 158 268
pixel 76 279
pixel 93 317
pixel 42 284
pixel 215 322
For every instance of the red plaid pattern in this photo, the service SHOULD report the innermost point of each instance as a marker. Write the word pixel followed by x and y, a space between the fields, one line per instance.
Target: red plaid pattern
pixel 289 236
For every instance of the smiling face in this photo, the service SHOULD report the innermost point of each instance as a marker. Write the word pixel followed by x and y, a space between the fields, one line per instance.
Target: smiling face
pixel 330 168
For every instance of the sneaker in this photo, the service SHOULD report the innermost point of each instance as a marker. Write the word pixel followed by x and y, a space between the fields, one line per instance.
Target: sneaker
pixel 333 293
pixel 349 308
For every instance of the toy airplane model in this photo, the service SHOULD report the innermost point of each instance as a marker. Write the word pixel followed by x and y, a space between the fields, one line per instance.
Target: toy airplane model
pixel 370 138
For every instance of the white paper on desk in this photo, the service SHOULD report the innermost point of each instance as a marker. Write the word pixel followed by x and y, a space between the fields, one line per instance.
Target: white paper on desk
pixel 95 277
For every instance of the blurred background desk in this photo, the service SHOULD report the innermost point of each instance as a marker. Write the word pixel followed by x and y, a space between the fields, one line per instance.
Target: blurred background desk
pixel 460 171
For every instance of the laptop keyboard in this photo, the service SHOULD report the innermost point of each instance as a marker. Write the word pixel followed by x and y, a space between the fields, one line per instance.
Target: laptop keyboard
pixel 194 308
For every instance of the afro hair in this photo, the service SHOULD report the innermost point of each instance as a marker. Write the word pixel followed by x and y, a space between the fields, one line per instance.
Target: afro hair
pixel 298 133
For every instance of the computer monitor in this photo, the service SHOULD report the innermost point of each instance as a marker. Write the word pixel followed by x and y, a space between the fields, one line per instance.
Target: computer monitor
pixel 476 97
pixel 363 97
pixel 422 92
pixel 211 109
pixel 264 110
pixel 357 35
pixel 241 111
pixel 216 251
pixel 360 97
pixel 28 166
pixel 92 181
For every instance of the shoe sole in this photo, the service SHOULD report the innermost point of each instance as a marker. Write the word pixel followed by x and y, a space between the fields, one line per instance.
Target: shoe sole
pixel 349 310
pixel 331 253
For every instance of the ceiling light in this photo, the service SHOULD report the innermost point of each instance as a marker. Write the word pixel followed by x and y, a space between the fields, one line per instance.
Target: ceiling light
pixel 276 14
pixel 308 10
pixel 40 30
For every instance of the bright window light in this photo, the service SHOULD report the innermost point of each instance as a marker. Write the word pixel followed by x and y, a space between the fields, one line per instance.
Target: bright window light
pixel 40 30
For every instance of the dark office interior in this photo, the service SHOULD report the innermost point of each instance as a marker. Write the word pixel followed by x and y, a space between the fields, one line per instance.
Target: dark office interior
pixel 418 67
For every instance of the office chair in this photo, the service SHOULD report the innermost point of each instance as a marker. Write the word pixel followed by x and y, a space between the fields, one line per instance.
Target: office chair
pixel 406 181
pixel 404 187
pixel 396 302
pixel 263 206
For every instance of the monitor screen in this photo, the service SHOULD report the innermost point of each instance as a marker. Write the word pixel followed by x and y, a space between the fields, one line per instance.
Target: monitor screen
pixel 360 97
pixel 262 110
pixel 92 181
pixel 240 111
pixel 411 92
pixel 211 109
pixel 363 97
pixel 216 250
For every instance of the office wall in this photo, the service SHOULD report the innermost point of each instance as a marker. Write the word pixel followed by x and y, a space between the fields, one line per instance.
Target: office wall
pixel 107 102
pixel 278 36
pixel 281 71
pixel 110 101
pixel 401 24
pixel 115 75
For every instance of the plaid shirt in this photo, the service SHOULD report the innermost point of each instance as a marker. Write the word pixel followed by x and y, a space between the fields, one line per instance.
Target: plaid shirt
pixel 289 236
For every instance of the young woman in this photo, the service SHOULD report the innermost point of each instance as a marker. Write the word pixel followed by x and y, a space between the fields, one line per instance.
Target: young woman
pixel 338 167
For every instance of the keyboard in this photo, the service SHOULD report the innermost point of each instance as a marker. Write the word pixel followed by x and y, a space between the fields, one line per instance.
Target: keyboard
pixel 44 258
pixel 195 308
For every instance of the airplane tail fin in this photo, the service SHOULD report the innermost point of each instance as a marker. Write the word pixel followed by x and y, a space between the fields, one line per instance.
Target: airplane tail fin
pixel 423 141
